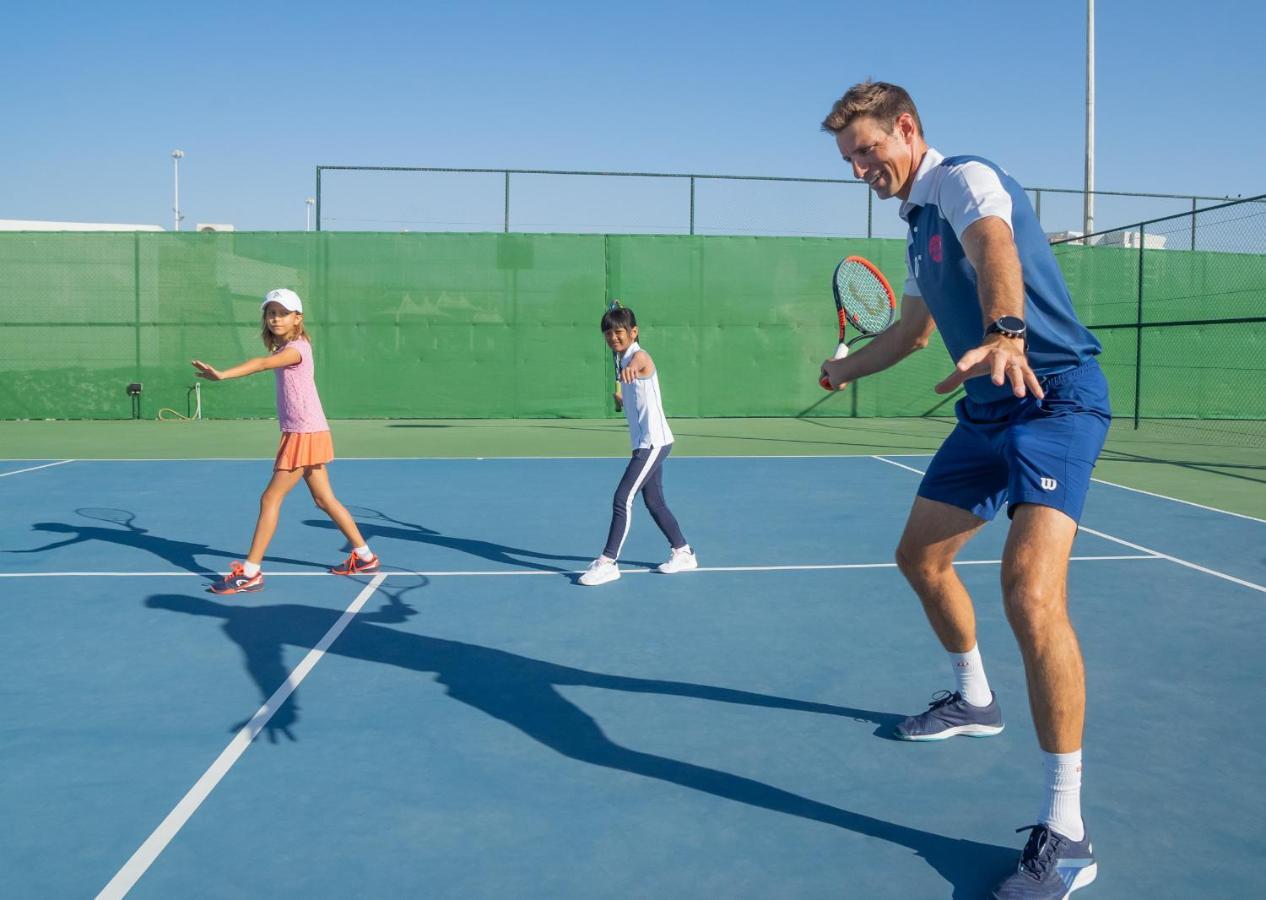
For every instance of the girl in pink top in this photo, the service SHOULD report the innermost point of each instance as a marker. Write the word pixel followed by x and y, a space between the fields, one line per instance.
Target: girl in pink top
pixel 305 441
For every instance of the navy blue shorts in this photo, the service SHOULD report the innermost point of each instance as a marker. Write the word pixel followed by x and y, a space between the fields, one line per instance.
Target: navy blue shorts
pixel 1024 450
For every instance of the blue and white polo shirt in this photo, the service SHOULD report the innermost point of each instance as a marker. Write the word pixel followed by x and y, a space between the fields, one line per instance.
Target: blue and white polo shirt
pixel 948 195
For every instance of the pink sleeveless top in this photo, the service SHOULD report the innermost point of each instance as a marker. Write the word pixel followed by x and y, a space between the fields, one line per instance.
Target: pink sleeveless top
pixel 298 406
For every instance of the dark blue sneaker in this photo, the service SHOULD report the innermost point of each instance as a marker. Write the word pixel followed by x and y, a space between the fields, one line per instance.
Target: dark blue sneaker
pixel 1051 867
pixel 949 714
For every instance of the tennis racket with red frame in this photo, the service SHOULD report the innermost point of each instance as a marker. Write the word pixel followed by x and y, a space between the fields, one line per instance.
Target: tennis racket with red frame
pixel 863 299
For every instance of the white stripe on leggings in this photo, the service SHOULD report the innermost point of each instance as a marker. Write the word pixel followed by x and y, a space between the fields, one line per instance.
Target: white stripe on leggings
pixel 637 486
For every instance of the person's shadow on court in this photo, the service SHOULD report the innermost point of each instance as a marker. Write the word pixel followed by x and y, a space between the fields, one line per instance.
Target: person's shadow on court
pixel 523 692
pixel 182 554
pixel 374 524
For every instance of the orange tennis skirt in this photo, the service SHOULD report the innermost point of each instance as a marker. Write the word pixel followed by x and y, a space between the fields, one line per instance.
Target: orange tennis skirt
pixel 299 450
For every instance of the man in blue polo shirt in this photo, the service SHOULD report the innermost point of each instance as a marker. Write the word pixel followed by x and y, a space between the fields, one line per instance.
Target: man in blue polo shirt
pixel 1029 430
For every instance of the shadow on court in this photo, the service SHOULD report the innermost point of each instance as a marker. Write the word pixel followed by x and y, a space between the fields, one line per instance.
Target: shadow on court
pixel 182 554
pixel 375 524
pixel 523 693
pixel 1204 467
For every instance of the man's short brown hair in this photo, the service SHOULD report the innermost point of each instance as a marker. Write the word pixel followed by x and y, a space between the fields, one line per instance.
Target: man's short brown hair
pixel 879 100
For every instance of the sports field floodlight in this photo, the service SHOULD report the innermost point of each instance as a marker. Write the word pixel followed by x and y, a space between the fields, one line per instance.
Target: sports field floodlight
pixel 309 203
pixel 1088 194
pixel 176 157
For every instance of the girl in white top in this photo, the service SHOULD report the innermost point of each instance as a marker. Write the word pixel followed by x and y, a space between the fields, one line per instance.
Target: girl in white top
pixel 652 441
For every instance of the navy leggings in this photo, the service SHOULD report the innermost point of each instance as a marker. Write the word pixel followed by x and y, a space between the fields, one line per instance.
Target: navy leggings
pixel 645 473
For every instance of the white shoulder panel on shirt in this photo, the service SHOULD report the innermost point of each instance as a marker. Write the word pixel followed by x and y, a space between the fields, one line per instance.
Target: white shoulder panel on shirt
pixel 968 192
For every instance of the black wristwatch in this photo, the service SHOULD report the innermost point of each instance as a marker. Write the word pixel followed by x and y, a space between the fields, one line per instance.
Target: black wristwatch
pixel 1008 326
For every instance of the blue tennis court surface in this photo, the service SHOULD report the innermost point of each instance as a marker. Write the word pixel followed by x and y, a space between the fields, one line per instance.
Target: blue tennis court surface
pixel 485 727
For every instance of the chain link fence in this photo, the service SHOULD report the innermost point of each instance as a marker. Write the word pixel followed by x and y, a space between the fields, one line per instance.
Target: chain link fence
pixel 407 198
pixel 1179 304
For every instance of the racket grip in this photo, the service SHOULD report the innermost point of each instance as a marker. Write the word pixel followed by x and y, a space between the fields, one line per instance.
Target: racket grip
pixel 841 351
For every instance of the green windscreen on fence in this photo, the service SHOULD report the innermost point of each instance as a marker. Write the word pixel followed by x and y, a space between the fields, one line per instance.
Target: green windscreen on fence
pixel 1183 332
pixel 506 325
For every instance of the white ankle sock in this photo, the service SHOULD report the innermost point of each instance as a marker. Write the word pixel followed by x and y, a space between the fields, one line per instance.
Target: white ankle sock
pixel 250 569
pixel 969 670
pixel 1062 808
pixel 363 552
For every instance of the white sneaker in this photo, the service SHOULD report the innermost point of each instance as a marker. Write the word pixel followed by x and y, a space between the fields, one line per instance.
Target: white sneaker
pixel 682 560
pixel 600 571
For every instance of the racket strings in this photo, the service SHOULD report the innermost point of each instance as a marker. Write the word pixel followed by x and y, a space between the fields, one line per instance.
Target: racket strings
pixel 868 304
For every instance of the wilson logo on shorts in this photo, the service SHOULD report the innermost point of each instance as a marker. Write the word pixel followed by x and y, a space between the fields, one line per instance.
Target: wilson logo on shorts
pixel 1049 484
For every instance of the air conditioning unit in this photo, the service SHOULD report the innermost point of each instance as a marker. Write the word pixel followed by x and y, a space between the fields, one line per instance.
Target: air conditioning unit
pixel 1133 239
pixel 213 227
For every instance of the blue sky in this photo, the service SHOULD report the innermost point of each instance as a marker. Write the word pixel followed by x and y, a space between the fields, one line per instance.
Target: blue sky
pixel 97 95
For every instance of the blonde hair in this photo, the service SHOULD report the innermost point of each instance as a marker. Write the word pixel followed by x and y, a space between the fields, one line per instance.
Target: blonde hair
pixel 879 100
pixel 275 342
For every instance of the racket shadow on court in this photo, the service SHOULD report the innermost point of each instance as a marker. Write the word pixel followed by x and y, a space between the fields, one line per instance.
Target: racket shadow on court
pixel 267 668
pixel 376 524
pixel 124 533
pixel 524 693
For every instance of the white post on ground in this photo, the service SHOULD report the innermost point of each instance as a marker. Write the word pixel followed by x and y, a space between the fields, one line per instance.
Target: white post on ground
pixel 309 203
pixel 1088 216
pixel 176 156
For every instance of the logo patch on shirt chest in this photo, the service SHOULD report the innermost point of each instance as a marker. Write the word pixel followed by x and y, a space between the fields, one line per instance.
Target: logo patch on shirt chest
pixel 935 249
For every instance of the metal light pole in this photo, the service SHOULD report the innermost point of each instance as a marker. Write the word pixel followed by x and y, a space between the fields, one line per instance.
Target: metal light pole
pixel 1088 213
pixel 309 203
pixel 176 156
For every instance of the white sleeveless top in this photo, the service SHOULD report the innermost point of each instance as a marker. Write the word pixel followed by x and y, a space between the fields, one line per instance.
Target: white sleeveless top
pixel 644 408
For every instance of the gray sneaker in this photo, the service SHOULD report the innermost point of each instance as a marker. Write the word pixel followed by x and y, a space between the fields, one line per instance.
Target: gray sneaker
pixel 949 714
pixel 1051 867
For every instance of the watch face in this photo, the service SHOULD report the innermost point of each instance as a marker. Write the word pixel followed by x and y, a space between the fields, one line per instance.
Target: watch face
pixel 1011 324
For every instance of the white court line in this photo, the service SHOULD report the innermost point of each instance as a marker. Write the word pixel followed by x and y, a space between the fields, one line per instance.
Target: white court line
pixel 900 465
pixel 888 459
pixel 1156 553
pixel 172 574
pixel 1182 562
pixel 179 459
pixel 1225 512
pixel 61 462
pixel 144 857
pixel 527 573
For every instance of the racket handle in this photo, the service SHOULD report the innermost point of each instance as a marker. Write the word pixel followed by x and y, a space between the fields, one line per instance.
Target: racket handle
pixel 841 351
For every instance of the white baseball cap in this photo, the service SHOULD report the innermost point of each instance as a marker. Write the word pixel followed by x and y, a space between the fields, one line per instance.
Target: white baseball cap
pixel 286 297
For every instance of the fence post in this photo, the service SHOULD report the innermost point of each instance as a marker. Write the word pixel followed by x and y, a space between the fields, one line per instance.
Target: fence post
pixel 318 199
pixel 1193 223
pixel 136 300
pixel 507 218
pixel 1037 204
pixel 692 204
pixel 1138 331
pixel 870 205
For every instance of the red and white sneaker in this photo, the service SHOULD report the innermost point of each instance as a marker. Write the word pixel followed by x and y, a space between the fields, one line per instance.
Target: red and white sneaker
pixel 354 565
pixel 238 582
